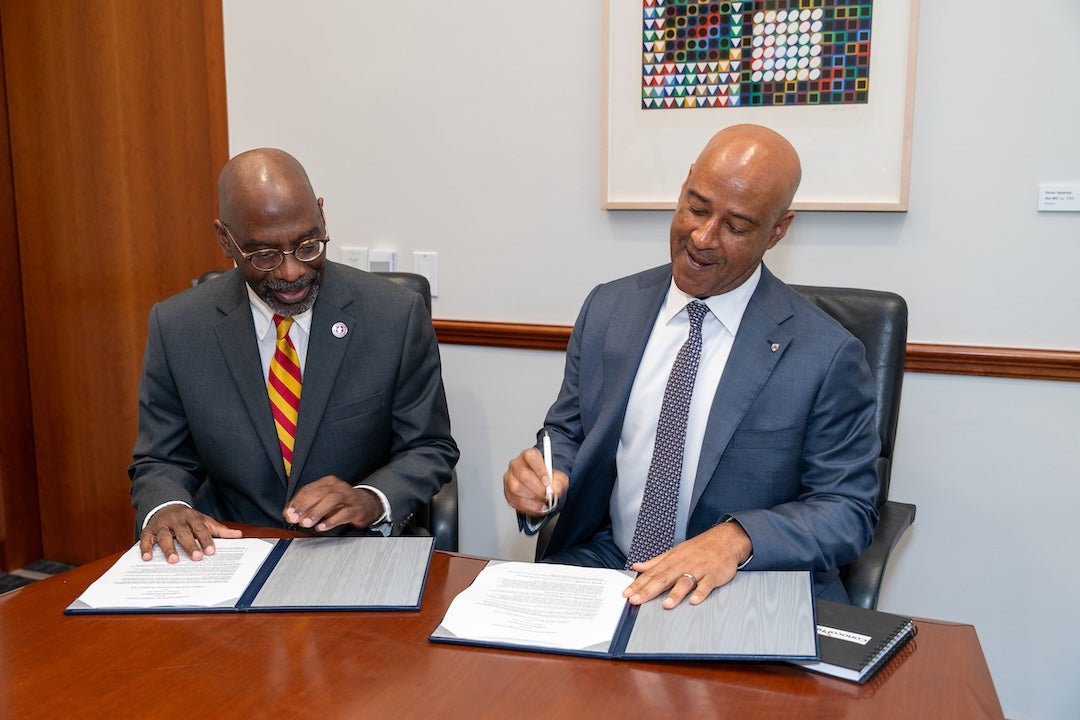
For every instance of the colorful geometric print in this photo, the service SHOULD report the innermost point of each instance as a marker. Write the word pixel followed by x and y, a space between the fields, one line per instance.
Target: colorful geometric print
pixel 764 53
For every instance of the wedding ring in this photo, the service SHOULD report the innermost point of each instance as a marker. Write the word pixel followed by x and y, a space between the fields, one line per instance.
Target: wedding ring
pixel 691 578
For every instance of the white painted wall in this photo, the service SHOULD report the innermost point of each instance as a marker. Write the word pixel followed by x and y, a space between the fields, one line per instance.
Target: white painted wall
pixel 473 129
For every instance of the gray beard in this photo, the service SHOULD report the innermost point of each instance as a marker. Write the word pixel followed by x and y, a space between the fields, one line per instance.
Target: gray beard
pixel 266 292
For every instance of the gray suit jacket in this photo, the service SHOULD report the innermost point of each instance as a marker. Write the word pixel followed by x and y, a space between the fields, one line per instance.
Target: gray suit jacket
pixel 373 409
pixel 790 445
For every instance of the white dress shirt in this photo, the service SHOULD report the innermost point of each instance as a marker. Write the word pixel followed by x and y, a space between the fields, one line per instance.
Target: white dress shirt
pixel 634 454
pixel 266 332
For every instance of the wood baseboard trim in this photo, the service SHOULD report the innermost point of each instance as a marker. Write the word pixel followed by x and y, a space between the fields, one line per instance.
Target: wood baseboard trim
pixel 1023 363
pixel 505 335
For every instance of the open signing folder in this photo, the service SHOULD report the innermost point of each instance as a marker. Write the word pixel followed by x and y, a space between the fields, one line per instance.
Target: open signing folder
pixel 260 574
pixel 580 611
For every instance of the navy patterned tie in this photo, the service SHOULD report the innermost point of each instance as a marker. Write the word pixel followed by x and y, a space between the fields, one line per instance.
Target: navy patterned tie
pixel 655 529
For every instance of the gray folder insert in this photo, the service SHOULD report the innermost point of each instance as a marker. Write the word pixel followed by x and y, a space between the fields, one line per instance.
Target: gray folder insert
pixel 348 572
pixel 757 614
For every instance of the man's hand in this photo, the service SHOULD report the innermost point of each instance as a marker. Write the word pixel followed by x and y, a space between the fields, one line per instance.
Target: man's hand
pixel 711 558
pixel 181 525
pixel 525 481
pixel 329 502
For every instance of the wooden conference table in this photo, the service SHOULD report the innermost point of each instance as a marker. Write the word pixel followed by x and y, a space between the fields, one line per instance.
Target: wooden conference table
pixel 380 664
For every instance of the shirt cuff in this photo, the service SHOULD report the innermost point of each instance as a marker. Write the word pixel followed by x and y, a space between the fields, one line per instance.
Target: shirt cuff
pixel 164 504
pixel 385 522
pixel 531 524
pixel 730 518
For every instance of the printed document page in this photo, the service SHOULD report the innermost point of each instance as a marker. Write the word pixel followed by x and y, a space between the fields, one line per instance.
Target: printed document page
pixel 217 580
pixel 540 605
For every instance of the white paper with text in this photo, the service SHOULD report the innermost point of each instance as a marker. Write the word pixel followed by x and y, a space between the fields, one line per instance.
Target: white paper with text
pixel 216 580
pixel 542 605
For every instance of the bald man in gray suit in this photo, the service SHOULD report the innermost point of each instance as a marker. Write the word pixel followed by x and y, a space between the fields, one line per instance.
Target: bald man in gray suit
pixel 372 438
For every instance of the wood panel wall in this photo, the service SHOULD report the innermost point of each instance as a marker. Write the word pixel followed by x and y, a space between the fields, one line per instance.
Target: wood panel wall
pixel 20 524
pixel 117 124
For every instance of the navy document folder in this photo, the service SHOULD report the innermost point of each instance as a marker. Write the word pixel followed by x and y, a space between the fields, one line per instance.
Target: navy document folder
pixel 580 611
pixel 260 574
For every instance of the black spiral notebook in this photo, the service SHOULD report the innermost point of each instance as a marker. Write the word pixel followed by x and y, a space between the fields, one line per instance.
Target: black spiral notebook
pixel 854 643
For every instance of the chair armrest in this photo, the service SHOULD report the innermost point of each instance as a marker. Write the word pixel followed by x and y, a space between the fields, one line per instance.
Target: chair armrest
pixel 444 516
pixel 862 578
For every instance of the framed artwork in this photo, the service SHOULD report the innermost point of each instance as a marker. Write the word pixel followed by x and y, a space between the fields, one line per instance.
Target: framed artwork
pixel 835 77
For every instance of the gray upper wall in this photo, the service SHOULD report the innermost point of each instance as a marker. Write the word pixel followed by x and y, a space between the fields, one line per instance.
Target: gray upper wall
pixel 474 129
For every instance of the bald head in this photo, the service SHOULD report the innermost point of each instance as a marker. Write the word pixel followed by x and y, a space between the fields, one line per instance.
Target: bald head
pixel 265 181
pixel 755 157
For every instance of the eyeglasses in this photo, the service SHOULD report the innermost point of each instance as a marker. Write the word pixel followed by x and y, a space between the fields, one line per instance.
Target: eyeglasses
pixel 267 260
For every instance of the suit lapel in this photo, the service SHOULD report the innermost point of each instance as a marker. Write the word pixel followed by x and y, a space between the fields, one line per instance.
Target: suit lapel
pixel 627 324
pixel 758 347
pixel 236 335
pixel 630 327
pixel 325 355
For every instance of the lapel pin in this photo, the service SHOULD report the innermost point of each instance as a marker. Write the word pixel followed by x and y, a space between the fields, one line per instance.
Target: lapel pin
pixel 775 347
pixel 340 330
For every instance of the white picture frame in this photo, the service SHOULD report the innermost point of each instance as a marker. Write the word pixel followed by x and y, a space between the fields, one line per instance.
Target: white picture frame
pixel 855 157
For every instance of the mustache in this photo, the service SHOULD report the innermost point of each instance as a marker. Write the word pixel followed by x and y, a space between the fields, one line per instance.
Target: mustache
pixel 284 286
pixel 707 257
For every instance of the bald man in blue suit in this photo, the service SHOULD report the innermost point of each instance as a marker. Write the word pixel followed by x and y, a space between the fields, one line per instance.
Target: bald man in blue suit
pixel 779 466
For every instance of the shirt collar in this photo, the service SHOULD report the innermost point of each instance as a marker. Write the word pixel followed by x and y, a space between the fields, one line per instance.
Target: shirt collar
pixel 264 316
pixel 728 308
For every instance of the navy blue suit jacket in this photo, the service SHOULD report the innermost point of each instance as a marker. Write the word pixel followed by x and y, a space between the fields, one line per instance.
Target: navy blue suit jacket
pixel 790 444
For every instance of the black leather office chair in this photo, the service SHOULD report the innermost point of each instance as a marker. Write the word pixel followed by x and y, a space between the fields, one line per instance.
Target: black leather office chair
pixel 879 321
pixel 440 517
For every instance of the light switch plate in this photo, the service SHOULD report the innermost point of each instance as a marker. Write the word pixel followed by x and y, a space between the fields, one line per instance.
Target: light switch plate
pixel 426 263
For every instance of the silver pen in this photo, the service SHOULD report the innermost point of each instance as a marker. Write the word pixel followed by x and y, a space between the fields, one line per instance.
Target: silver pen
pixel 549 497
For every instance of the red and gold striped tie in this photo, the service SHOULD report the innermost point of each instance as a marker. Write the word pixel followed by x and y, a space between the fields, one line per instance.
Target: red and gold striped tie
pixel 284 387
